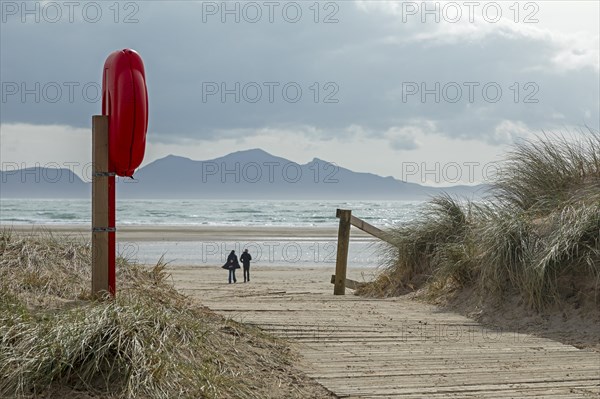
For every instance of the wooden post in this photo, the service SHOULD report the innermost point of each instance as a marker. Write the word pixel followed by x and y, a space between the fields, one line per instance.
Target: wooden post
pixel 100 207
pixel 341 260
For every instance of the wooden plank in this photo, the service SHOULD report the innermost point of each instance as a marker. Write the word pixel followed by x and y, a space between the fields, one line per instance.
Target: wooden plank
pixel 100 211
pixel 369 228
pixel 352 284
pixel 341 260
pixel 396 348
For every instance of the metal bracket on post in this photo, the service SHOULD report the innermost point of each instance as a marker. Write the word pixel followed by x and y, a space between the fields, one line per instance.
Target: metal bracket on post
pixel 104 229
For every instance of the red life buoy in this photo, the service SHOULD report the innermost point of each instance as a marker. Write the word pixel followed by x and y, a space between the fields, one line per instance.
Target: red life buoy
pixel 125 102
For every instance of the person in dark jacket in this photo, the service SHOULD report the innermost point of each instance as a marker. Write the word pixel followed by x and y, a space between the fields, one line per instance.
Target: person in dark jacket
pixel 232 264
pixel 246 258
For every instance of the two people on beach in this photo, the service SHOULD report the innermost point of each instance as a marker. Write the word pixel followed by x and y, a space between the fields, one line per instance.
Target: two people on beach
pixel 232 264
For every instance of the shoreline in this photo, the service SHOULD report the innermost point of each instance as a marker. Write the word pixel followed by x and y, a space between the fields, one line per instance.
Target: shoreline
pixel 206 245
pixel 181 233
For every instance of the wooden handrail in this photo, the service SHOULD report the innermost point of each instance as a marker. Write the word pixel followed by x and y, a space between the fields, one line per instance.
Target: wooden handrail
pixel 369 228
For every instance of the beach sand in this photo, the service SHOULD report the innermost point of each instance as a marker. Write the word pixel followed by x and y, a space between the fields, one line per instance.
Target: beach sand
pixel 577 329
pixel 190 233
pixel 366 334
pixel 580 329
pixel 264 279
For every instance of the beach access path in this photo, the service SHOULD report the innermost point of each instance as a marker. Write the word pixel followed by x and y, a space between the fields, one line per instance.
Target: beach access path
pixel 392 348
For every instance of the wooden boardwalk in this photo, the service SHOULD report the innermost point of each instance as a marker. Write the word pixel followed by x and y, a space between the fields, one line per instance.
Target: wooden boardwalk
pixel 393 348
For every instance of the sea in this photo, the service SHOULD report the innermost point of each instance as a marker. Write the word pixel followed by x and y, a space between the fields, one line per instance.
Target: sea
pixel 267 251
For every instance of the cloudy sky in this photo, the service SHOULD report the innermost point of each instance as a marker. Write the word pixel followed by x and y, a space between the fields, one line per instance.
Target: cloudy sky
pixel 370 85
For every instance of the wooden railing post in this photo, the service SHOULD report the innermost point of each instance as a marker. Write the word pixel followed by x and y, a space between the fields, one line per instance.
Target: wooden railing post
pixel 100 207
pixel 341 261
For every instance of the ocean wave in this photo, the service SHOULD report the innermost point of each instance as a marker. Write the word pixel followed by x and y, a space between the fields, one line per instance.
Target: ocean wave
pixel 209 212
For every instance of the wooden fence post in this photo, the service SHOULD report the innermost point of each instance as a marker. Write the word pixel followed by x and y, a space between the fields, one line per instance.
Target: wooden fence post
pixel 341 261
pixel 100 206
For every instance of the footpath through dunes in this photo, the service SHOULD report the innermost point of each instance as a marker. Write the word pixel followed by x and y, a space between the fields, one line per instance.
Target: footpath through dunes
pixel 393 348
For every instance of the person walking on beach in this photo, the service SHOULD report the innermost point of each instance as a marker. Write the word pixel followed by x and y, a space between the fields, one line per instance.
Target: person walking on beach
pixel 246 258
pixel 232 264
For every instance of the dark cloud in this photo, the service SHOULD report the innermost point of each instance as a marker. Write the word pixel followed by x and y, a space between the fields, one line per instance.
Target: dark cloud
pixel 354 72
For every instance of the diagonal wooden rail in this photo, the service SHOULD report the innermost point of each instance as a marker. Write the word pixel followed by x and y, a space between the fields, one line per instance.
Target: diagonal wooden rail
pixel 370 229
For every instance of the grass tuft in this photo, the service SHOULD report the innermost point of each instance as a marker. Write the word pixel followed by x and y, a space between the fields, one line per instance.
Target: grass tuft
pixel 538 233
pixel 150 341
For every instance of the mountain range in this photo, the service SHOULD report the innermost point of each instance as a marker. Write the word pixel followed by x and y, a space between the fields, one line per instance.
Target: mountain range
pixel 249 174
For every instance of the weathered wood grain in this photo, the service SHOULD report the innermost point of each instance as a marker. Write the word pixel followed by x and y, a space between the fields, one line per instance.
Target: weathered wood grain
pixel 394 348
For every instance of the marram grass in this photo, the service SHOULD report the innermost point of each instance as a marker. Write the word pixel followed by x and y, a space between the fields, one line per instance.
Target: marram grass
pixel 148 342
pixel 537 231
